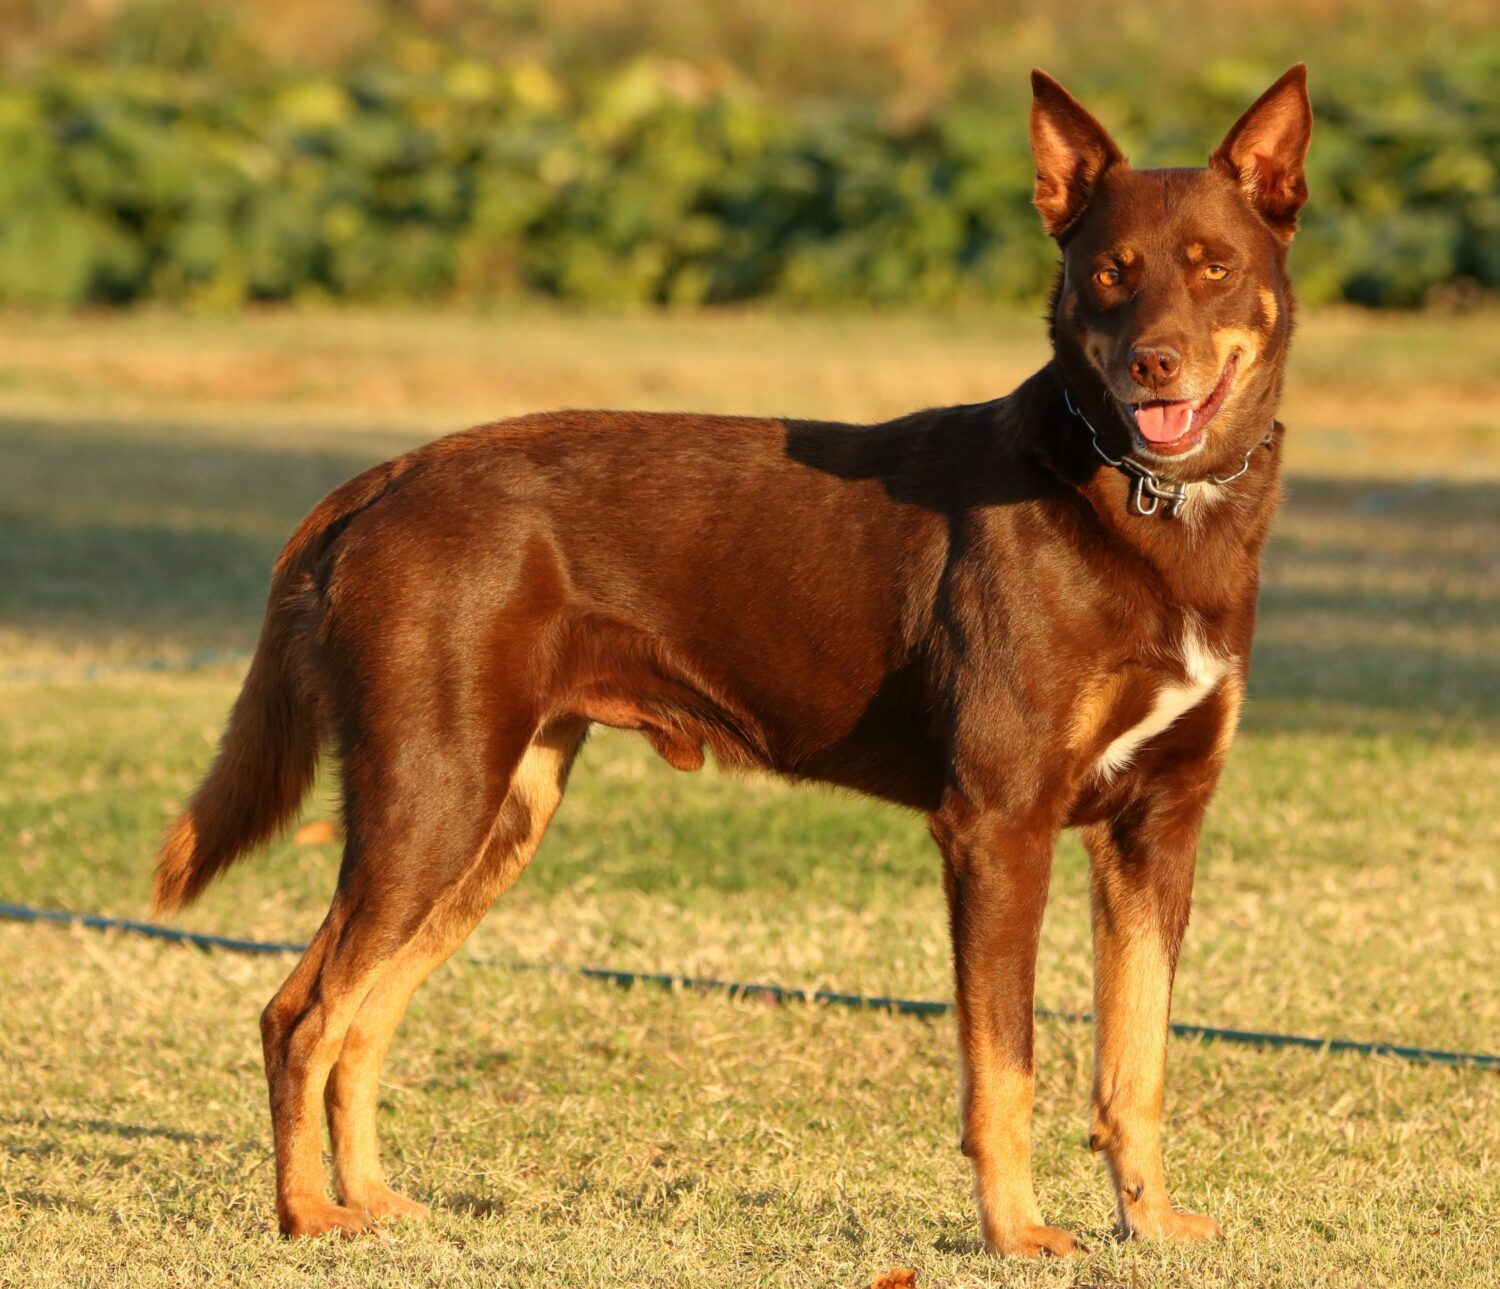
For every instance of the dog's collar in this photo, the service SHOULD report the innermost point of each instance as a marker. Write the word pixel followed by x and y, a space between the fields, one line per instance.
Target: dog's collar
pixel 1150 486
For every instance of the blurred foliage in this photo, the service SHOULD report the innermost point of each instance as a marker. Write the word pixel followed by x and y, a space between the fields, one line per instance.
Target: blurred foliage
pixel 161 153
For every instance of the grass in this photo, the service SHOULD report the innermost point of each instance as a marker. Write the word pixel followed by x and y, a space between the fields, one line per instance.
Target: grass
pixel 570 1133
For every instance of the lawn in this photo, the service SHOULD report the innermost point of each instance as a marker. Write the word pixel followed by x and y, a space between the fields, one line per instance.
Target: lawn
pixel 568 1132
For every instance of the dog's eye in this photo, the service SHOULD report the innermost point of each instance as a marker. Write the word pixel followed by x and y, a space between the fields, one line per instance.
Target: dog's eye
pixel 1107 277
pixel 1216 272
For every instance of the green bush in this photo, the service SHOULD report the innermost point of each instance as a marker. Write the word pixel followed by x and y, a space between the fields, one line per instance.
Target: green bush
pixel 468 182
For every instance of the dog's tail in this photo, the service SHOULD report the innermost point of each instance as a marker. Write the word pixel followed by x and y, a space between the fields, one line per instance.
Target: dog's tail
pixel 269 752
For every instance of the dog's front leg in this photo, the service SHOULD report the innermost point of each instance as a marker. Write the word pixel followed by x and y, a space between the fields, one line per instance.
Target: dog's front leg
pixel 1141 877
pixel 995 875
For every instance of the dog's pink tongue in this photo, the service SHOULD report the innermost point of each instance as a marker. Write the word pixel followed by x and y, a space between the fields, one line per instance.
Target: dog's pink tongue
pixel 1164 422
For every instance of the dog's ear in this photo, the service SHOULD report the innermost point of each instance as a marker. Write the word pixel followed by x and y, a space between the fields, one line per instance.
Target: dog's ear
pixel 1071 151
pixel 1265 150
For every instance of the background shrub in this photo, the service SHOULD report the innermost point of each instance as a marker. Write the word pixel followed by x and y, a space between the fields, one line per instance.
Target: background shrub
pixel 169 157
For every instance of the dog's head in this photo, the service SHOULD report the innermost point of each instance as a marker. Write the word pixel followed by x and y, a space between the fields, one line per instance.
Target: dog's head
pixel 1172 310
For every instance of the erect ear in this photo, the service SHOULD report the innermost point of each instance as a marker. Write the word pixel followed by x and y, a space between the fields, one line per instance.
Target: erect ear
pixel 1265 150
pixel 1071 150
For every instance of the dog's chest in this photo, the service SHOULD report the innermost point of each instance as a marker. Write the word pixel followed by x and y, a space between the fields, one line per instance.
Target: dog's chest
pixel 1203 670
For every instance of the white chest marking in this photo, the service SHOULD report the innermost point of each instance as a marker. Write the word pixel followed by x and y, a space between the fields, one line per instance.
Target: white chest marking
pixel 1204 671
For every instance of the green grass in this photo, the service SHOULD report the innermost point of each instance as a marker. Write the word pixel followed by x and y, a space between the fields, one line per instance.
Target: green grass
pixel 571 1133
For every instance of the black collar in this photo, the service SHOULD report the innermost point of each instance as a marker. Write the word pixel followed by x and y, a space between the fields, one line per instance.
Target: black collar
pixel 1150 486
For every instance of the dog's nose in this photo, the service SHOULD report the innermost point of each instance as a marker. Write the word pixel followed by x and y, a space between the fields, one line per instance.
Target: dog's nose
pixel 1154 365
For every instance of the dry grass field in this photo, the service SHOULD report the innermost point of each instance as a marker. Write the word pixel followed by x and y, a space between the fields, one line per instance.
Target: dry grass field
pixel 571 1133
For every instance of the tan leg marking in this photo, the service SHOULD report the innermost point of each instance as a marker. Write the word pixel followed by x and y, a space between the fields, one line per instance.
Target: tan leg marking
pixel 1232 696
pixel 1092 710
pixel 996 884
pixel 302 1030
pixel 1132 997
pixel 352 1094
pixel 997 1139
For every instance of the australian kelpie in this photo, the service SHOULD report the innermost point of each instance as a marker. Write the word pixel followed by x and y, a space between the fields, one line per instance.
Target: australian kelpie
pixel 1016 617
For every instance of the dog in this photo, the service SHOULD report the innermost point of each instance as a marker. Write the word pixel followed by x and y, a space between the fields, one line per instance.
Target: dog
pixel 1016 617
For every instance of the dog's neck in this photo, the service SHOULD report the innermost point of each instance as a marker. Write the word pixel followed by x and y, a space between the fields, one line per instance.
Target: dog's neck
pixel 1151 493
pixel 1219 527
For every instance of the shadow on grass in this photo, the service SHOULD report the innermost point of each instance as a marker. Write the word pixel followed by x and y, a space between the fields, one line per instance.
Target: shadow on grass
pixel 1372 500
pixel 474 1205
pixel 89 581
pixel 108 1127
pixel 1309 687
pixel 108 534
pixel 166 538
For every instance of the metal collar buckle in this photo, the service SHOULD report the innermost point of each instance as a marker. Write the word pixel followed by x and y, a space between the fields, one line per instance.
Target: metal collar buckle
pixel 1151 485
pixel 1150 490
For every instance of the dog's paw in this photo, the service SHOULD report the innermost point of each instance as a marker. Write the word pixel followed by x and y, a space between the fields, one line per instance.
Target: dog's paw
pixel 309 1219
pixel 1033 1240
pixel 383 1204
pixel 1168 1224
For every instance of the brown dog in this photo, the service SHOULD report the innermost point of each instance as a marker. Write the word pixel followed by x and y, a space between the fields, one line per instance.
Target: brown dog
pixel 1017 617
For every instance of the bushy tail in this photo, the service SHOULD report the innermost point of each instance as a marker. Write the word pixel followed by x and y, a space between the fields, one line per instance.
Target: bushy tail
pixel 269 752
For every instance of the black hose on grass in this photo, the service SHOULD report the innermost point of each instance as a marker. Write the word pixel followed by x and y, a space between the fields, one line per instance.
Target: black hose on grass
pixel 770 993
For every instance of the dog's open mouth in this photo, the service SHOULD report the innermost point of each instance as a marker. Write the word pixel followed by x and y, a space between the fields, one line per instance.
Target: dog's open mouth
pixel 1170 427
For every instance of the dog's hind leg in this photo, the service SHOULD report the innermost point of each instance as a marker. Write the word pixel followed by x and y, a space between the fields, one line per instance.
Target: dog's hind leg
pixel 352 1093
pixel 428 850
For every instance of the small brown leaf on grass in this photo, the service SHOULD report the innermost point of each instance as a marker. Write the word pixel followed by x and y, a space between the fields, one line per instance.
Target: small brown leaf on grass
pixel 316 833
pixel 902 1278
